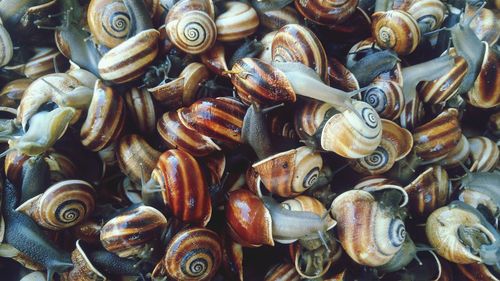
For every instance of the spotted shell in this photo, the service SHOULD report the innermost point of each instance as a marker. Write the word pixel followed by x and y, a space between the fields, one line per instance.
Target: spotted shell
pixel 63 205
pixel 193 254
pixel 291 172
pixel 133 232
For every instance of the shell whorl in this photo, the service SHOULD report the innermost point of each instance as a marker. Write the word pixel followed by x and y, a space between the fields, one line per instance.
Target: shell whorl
pixel 396 30
pixel 6 47
pixel 109 21
pixel 386 97
pixel 194 33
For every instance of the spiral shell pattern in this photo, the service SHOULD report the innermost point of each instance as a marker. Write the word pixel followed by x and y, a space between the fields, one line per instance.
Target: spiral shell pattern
pixel 295 43
pixel 370 234
pixel 62 205
pixel 240 20
pixel 105 118
pixel 109 21
pixel 484 153
pixel 140 51
pixel 379 162
pixel 185 188
pixel 193 254
pixel 131 232
pixel 220 118
pixel 309 116
pixel 326 12
pixel 291 172
pixel 436 138
pixel 396 30
pixel 194 33
pixel 6 48
pixel 429 12
pixel 386 97
pixel 351 137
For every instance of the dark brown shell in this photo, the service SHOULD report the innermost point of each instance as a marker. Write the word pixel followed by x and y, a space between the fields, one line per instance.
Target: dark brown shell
pixel 326 12
pixel 486 90
pixel 260 82
pixel 193 254
pixel 220 118
pixel 105 118
pixel 185 188
pixel 295 43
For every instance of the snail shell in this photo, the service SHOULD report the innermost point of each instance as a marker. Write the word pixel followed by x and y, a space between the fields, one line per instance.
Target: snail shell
pixel 396 143
pixel 442 229
pixel 13 166
pixel 308 204
pixel 194 75
pixel 413 114
pixel 291 172
pixel 486 90
pixel 261 83
pixel 429 191
pixel 295 43
pixel 443 88
pixel 45 61
pixel 341 77
pixel 83 269
pixel 178 136
pixel 62 205
pixel 220 118
pixel 109 21
pixel 105 118
pixel 282 272
pixel 396 30
pixel 140 51
pixel 190 26
pixel 309 116
pixel 429 13
pixel 134 154
pixel 7 50
pixel 186 191
pixel 215 59
pixel 193 254
pixel 484 153
pixel 376 181
pixel 267 41
pixel 370 234
pixel 485 25
pixel 386 97
pixel 276 19
pixel 239 21
pixel 326 12
pixel 477 272
pixel 248 220
pixel 141 108
pixel 436 138
pixel 131 233
pixel 351 137
pixel 169 94
pixel 458 155
pixel 12 92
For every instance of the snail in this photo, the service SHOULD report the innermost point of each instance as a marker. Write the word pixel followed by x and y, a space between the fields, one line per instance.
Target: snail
pixel 83 269
pixel 34 178
pixel 7 49
pixel 282 271
pixel 484 92
pixel 232 257
pixel 484 24
pixel 190 25
pixel 239 20
pixel 386 97
pixel 484 154
pixel 377 232
pixel 44 61
pixel 142 109
pixel 105 118
pixel 326 12
pixel 249 49
pixel 63 205
pixel 135 155
pixel 215 59
pixel 134 233
pixel 193 254
pixel 183 187
pixel 460 234
pixel 276 19
pixel 269 5
pixel 25 235
pixel 12 92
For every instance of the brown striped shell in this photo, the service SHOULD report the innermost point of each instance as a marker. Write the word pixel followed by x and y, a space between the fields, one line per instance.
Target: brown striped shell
pixel 141 108
pixel 282 272
pixel 484 154
pixel 309 116
pixel 134 154
pixel 429 13
pixel 326 12
pixel 238 21
pixel 443 88
pixel 340 77
pixel 413 114
pixel 476 198
pixel 429 191
pixel 291 172
pixel 105 118
pixel 295 43
pixel 184 187
pixel 61 167
pixel 45 61
pixel 232 257
pixel 458 155
pixel 374 181
pixel 485 25
pixel 109 22
pixel 476 272
pixel 215 59
pixel 386 97
pixel 12 92
pixel 130 59
pixel 442 230
pixel 219 118
pixel 486 90
pixel 13 166
pixel 193 254
pixel 83 269
pixel 7 50
pixel 63 205
pixel 306 203
pixel 396 143
pixel 436 138
pixel 134 232
pixel 192 31
pixel 249 221
pixel 276 19
pixel 177 135
pixel 396 30
pixel 351 137
pixel 260 82
pixel 370 233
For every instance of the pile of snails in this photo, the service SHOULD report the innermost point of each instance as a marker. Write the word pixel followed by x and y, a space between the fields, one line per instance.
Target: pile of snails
pixel 250 140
